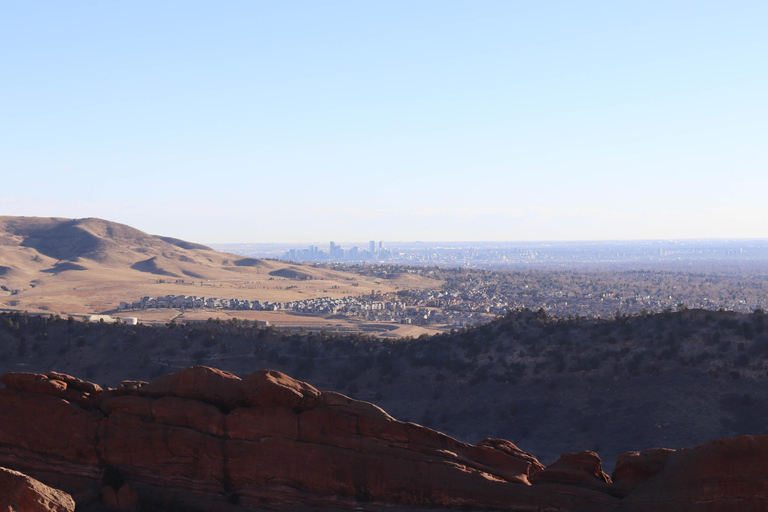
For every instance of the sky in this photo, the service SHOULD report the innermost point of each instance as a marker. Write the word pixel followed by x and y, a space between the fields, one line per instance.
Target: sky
pixel 304 121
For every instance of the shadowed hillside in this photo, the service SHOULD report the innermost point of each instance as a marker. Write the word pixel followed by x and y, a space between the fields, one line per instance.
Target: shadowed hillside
pixel 549 385
pixel 94 240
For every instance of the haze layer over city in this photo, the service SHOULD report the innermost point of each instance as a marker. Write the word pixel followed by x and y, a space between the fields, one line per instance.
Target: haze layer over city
pixel 669 254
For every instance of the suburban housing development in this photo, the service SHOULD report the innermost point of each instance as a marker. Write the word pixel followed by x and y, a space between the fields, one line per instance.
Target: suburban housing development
pixel 379 309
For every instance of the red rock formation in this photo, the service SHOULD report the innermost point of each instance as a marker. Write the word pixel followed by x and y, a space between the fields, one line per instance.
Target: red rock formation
pixel 633 468
pixel 56 384
pixel 720 476
pixel 584 469
pixel 199 382
pixel 20 493
pixel 203 439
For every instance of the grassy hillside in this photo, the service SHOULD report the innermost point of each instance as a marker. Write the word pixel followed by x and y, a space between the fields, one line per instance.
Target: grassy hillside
pixel 88 266
pixel 549 385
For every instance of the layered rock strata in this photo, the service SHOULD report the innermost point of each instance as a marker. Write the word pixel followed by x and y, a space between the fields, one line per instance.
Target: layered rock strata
pixel 203 439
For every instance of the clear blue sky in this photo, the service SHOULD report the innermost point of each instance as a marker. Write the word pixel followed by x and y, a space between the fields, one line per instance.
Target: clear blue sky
pixel 297 121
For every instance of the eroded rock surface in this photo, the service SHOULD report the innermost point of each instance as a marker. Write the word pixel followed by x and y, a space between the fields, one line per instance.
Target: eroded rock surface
pixel 20 493
pixel 583 469
pixel 634 468
pixel 719 476
pixel 203 439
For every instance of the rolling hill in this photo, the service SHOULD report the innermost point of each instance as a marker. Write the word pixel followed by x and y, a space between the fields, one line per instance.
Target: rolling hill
pixel 88 266
pixel 31 245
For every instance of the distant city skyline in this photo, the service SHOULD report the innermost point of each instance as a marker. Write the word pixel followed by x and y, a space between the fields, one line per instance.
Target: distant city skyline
pixel 431 120
pixel 691 255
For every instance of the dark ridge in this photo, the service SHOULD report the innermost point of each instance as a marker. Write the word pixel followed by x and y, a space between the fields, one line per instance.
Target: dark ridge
pixel 248 262
pixel 151 267
pixel 63 241
pixel 63 267
pixel 184 244
pixel 290 274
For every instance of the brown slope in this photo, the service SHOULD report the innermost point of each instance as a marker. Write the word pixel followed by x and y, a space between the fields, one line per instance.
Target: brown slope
pixel 52 260
pixel 93 239
pixel 29 245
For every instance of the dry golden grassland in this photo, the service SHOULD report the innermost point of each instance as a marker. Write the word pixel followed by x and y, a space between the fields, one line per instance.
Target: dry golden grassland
pixel 88 266
pixel 99 290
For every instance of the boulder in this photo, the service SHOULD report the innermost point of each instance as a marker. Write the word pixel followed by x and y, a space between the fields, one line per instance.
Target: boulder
pixel 200 383
pixel 20 493
pixel 55 384
pixel 74 383
pixel 34 383
pixel 272 388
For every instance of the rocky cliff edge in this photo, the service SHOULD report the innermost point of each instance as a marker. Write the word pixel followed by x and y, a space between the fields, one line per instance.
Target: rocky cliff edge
pixel 204 439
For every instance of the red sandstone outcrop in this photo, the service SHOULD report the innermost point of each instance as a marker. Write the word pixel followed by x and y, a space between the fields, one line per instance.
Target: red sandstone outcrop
pixel 633 468
pixel 56 384
pixel 203 439
pixel 583 469
pixel 720 476
pixel 20 493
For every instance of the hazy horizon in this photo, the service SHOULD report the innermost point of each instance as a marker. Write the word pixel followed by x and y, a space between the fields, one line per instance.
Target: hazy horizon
pixel 402 241
pixel 434 121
